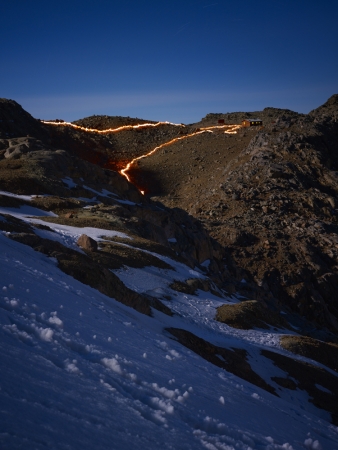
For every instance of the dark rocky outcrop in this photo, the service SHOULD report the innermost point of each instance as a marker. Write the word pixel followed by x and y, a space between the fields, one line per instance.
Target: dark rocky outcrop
pixel 234 360
pixel 16 122
pixel 323 352
pixel 87 243
pixel 250 314
pixel 320 384
pixel 273 206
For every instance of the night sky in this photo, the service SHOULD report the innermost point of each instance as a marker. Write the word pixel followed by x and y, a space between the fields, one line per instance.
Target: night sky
pixel 167 60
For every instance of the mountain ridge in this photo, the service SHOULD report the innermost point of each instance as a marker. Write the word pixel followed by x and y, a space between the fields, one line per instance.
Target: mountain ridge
pixel 251 216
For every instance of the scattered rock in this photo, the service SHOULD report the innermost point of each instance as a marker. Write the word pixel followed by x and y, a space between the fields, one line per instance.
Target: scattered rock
pixel 192 285
pixel 233 360
pixel 320 384
pixel 250 314
pixel 98 275
pixel 323 352
pixel 87 243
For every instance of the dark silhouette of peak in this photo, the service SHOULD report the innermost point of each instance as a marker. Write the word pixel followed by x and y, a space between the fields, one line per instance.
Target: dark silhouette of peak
pixel 15 121
pixel 329 108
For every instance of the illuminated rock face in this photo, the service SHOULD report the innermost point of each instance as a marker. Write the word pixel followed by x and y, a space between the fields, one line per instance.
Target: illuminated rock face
pixel 87 243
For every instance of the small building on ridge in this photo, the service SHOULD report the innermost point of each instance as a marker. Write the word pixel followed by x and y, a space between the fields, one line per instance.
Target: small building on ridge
pixel 252 123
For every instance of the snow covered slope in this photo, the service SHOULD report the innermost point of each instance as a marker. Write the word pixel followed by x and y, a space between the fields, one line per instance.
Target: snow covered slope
pixel 81 371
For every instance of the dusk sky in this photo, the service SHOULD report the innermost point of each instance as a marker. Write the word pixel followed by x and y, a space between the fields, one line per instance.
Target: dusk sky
pixel 173 60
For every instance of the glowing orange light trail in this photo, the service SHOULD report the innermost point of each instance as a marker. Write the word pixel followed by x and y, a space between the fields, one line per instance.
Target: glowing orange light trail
pixel 124 171
pixel 228 129
pixel 233 127
pixel 112 130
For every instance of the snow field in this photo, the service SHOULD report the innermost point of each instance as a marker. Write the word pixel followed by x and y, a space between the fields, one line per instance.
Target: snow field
pixel 84 371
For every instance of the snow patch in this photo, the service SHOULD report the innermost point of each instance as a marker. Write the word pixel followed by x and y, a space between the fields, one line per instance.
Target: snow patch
pixel 26 211
pixel 112 364
pixel 45 334
pixel 69 182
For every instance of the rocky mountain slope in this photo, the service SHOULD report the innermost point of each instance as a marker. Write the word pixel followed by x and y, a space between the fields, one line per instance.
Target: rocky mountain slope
pixel 254 212
pixel 269 197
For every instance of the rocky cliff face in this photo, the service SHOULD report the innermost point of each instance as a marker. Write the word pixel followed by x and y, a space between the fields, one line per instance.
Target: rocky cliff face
pixel 269 197
pixel 284 234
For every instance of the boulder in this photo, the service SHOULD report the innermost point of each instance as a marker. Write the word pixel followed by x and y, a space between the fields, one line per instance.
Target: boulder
pixel 87 243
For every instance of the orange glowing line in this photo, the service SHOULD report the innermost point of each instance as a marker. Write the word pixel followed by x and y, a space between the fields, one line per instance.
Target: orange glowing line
pixel 235 127
pixel 112 130
pixel 203 130
pixel 228 129
pixel 125 170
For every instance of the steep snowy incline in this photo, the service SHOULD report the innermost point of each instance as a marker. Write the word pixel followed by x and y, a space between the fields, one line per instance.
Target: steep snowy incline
pixel 80 370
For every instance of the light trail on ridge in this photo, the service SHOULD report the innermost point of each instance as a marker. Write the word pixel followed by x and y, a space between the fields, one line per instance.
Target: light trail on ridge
pixel 124 171
pixel 131 127
pixel 112 130
pixel 228 129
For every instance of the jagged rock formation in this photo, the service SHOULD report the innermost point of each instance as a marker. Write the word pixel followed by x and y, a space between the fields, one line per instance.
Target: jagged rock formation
pixel 16 122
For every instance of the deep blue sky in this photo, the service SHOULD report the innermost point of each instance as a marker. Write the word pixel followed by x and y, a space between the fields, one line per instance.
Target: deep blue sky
pixel 173 60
